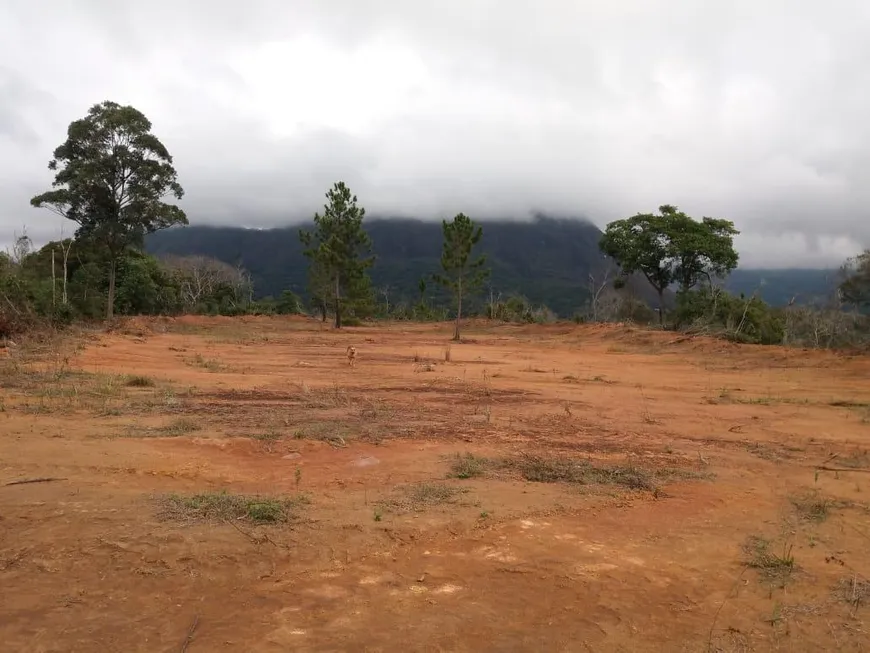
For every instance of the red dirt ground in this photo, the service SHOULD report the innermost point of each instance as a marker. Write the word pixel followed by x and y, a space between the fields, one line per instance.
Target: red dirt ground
pixel 262 406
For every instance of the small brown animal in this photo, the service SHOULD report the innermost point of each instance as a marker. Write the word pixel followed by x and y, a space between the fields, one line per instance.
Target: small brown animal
pixel 351 355
pixel 6 344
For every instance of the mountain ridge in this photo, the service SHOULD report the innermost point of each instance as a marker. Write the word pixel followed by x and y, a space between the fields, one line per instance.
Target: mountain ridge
pixel 547 259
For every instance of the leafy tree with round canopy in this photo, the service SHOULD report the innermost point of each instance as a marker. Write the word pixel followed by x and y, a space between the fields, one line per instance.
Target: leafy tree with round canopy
pixel 671 248
pixel 112 175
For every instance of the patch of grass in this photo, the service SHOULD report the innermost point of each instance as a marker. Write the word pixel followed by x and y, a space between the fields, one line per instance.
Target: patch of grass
pixel 726 396
pixel 333 396
pixel 432 493
pixel 755 401
pixel 210 364
pixel 680 474
pixel 538 469
pixel 812 506
pixel 180 426
pixel 268 436
pixel 562 470
pixel 772 566
pixel 849 404
pixel 334 433
pixel 768 452
pixel 176 428
pixel 468 466
pixel 222 506
pixel 373 409
pixel 419 496
pixel 769 400
pixel 137 381
pixel 855 460
pixel 853 590
pixel 67 390
pixel 105 386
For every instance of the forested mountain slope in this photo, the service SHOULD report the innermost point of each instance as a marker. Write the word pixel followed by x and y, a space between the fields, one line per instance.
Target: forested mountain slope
pixel 548 260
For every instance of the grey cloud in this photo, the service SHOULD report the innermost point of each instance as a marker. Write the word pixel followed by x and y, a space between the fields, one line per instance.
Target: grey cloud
pixel 20 107
pixel 751 110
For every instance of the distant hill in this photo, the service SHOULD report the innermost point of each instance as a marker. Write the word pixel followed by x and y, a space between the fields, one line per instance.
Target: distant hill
pixel 779 287
pixel 548 260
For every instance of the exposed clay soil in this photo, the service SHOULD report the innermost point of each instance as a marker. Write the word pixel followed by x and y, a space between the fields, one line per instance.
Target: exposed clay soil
pixel 739 543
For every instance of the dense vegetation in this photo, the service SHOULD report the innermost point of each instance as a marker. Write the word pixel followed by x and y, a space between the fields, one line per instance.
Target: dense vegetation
pixel 113 176
pixel 546 260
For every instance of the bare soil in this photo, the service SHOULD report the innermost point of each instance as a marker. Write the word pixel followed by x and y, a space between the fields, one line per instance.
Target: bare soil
pixel 233 485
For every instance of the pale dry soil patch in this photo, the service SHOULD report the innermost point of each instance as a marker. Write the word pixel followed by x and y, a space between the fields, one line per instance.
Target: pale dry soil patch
pixel 231 485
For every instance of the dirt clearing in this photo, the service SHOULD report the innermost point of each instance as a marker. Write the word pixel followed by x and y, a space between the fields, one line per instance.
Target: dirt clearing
pixel 232 485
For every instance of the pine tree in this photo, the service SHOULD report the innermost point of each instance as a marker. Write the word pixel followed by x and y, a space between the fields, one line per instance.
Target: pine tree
pixel 339 249
pixel 462 275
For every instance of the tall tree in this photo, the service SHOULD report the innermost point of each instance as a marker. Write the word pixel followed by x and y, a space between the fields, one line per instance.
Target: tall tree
pixel 854 288
pixel 671 248
pixel 339 249
pixel 112 175
pixel 421 286
pixel 319 288
pixel 462 273
pixel 704 249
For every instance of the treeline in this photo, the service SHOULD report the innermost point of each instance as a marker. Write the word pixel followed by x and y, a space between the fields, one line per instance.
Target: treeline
pixel 68 280
pixel 547 261
pixel 113 176
pixel 673 251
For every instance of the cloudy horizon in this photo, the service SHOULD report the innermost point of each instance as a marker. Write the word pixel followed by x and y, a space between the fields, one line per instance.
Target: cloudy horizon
pixel 751 111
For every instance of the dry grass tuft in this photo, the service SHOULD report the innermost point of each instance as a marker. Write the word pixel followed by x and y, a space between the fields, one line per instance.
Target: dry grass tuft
pixel 538 469
pixel 222 506
pixel 772 566
pixel 468 466
pixel 811 506
pixel 417 497
pixel 137 381
pixel 854 590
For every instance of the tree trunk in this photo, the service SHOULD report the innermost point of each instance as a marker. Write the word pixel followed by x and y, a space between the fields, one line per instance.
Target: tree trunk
pixel 110 300
pixel 53 281
pixel 458 311
pixel 662 308
pixel 337 303
pixel 322 306
pixel 65 257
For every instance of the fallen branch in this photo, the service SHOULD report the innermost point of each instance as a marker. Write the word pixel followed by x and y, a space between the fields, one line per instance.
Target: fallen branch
pixel 824 468
pixel 243 532
pixel 722 605
pixel 189 638
pixel 44 479
pixel 250 536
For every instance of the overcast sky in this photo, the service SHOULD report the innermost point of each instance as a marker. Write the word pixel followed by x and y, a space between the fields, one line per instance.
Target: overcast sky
pixel 753 110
